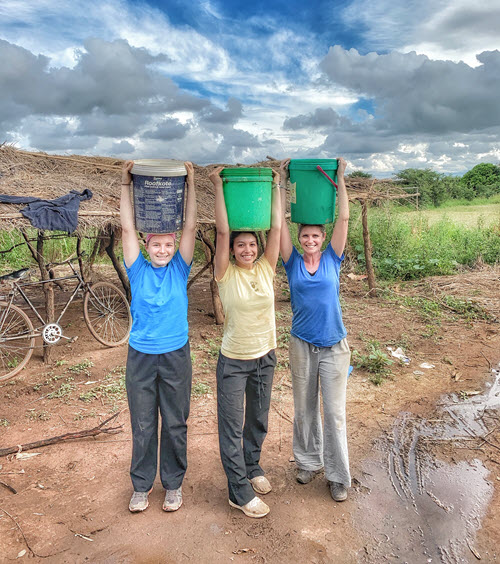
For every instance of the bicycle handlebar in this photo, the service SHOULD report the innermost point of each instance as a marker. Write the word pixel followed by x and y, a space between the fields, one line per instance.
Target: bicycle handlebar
pixel 67 261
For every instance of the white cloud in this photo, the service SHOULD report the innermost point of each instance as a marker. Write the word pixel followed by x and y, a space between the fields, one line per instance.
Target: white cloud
pixel 440 29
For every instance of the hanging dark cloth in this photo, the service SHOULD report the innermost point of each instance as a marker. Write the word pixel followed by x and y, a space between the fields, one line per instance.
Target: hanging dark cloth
pixel 60 214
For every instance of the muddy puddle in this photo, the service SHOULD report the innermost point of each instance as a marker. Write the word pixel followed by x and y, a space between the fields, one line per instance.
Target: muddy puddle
pixel 424 502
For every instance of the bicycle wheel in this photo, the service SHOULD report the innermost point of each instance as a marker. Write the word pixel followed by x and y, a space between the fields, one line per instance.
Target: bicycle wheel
pixel 16 340
pixel 107 314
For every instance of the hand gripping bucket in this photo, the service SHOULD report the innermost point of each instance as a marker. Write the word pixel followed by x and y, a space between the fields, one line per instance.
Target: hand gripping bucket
pixel 313 190
pixel 158 195
pixel 247 192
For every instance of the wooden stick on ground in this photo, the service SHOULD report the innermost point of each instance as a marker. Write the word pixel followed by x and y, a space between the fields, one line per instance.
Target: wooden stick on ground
pixel 66 437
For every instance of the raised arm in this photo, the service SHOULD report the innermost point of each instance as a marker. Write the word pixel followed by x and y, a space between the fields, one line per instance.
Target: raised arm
pixel 286 245
pixel 272 251
pixel 186 244
pixel 130 242
pixel 339 235
pixel 221 224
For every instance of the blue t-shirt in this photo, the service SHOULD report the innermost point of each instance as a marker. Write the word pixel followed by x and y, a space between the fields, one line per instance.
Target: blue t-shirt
pixel 159 305
pixel 317 316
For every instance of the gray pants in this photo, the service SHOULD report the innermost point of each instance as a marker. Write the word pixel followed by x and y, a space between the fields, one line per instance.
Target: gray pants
pixel 237 381
pixel 158 383
pixel 313 447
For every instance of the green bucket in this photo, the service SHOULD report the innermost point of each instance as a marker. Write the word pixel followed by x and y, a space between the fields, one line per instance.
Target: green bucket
pixel 312 194
pixel 247 192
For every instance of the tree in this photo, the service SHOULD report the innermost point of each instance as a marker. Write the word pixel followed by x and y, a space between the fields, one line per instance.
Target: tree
pixel 359 174
pixel 482 180
pixel 428 182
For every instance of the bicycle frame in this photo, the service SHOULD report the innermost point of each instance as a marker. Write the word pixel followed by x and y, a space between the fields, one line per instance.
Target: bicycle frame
pixel 18 289
pixel 105 311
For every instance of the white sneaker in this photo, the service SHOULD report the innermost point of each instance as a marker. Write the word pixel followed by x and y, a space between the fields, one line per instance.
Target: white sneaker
pixel 173 499
pixel 261 485
pixel 138 502
pixel 255 508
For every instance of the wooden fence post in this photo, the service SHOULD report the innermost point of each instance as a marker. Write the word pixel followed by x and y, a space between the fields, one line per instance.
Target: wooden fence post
pixel 368 249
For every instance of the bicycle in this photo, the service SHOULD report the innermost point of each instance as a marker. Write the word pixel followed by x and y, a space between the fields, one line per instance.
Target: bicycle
pixel 105 309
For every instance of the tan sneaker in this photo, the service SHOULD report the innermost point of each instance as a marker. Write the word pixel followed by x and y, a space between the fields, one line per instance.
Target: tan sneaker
pixel 255 508
pixel 261 485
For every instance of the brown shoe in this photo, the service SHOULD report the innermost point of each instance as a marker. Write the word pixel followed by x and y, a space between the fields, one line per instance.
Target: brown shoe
pixel 255 508
pixel 261 485
pixel 338 491
pixel 305 476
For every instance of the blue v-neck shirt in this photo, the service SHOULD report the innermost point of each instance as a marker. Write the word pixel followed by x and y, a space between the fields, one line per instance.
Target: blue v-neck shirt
pixel 317 316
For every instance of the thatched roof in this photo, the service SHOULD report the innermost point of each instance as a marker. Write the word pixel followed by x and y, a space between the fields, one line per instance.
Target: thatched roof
pixel 50 176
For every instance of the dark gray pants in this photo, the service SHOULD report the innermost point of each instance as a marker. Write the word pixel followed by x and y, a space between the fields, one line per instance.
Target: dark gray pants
pixel 243 399
pixel 158 383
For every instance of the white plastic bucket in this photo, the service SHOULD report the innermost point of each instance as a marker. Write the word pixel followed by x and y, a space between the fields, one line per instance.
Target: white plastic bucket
pixel 158 195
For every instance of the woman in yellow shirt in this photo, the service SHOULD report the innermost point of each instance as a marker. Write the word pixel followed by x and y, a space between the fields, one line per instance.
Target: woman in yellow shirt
pixel 246 362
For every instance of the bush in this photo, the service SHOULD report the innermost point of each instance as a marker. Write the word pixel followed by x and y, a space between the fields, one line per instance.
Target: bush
pixel 406 250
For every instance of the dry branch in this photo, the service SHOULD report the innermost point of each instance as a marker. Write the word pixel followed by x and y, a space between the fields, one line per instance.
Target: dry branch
pixel 66 437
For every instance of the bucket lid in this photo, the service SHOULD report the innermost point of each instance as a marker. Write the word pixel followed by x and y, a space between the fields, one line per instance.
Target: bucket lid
pixel 242 171
pixel 159 167
pixel 311 164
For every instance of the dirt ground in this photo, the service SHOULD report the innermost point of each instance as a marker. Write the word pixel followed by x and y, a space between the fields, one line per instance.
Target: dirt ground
pixel 426 487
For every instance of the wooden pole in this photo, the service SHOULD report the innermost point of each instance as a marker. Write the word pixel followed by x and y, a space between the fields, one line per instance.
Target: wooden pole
pixel 110 250
pixel 368 249
pixel 262 240
pixel 209 250
pixel 48 290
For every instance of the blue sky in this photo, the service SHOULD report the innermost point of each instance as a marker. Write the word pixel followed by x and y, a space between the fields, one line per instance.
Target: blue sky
pixel 387 85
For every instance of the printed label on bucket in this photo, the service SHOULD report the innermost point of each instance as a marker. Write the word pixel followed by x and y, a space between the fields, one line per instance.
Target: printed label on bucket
pixel 293 192
pixel 158 203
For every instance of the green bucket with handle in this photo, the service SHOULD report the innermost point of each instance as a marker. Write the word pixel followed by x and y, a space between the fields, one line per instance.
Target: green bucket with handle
pixel 247 192
pixel 313 190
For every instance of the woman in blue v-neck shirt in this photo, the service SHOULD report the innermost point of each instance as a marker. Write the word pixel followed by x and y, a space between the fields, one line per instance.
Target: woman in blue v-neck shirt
pixel 319 353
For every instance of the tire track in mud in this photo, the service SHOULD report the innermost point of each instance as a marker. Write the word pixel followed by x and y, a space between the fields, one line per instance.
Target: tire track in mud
pixel 424 508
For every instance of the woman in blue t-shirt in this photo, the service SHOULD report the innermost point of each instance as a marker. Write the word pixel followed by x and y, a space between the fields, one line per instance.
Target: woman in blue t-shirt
pixel 159 371
pixel 319 353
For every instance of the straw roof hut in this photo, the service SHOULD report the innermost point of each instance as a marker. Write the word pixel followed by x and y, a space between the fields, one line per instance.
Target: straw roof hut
pixel 50 176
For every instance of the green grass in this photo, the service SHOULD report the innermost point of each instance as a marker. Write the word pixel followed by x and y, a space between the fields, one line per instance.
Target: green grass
pixel 469 215
pixel 200 388
pixel 81 367
pixel 55 250
pixel 374 361
pixel 409 246
pixel 34 415
pixel 211 347
pixel 4 422
pixel 431 310
pixel 112 391
pixel 283 337
pixel 64 390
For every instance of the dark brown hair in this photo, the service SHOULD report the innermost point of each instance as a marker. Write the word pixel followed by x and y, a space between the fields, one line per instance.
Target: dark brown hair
pixel 235 234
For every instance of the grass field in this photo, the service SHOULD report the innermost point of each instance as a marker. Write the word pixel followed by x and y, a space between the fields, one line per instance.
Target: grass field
pixel 469 216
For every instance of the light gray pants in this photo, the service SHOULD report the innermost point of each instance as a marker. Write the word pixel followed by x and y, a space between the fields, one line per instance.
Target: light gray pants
pixel 314 447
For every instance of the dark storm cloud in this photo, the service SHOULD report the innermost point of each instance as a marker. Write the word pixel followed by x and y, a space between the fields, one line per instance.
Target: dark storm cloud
pixel 122 148
pixel 320 119
pixel 216 116
pixel 167 129
pixel 112 78
pixel 99 123
pixel 49 135
pixel 417 95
